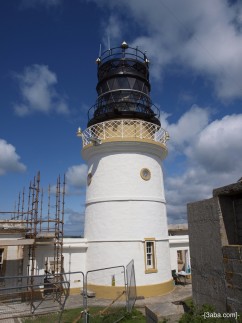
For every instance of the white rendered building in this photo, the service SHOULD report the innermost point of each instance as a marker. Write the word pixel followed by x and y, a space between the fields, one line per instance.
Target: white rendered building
pixel 14 259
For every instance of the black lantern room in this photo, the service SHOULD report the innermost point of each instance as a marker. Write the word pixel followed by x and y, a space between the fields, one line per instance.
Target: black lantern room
pixel 123 87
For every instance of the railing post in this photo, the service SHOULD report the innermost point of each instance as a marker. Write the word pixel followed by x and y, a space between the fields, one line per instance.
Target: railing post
pixel 122 128
pixel 104 135
pixel 155 134
pixel 85 318
pixel 83 140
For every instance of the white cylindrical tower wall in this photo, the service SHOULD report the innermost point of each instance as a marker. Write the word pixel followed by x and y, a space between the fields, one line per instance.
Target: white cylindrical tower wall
pixel 123 210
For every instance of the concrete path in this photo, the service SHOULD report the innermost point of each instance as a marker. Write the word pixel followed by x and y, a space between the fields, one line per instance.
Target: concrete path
pixel 168 306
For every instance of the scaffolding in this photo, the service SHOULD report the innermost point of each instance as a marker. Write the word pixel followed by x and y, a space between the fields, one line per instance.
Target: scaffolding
pixel 41 225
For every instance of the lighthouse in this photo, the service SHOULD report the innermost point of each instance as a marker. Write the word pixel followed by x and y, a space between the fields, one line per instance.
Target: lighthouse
pixel 124 146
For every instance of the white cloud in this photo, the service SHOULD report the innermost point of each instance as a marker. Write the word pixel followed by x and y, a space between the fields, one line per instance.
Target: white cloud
pixel 76 176
pixel 163 118
pixel 74 223
pixel 113 31
pixel 186 97
pixel 185 131
pixel 192 185
pixel 37 87
pixel 9 159
pixel 200 36
pixel 218 146
pixel 211 157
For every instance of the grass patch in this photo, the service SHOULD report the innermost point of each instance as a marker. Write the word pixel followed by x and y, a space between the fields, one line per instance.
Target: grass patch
pixel 189 302
pixel 96 316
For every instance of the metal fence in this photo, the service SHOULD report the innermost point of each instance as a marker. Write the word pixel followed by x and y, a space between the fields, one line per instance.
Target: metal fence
pixel 131 286
pixel 109 281
pixel 120 283
pixel 22 296
pixel 26 296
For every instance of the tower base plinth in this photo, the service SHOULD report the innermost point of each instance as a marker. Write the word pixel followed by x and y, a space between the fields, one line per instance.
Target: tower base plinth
pixel 111 292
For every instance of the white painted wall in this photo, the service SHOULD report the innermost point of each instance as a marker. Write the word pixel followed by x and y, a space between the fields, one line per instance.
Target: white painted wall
pixel 74 253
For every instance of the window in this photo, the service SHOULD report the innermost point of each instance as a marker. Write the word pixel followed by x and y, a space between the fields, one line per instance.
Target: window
pixel 145 174
pixel 89 179
pixel 131 81
pixel 149 254
pixel 123 83
pixel 150 259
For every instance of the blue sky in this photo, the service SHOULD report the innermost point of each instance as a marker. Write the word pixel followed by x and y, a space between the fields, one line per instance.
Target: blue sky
pixel 48 80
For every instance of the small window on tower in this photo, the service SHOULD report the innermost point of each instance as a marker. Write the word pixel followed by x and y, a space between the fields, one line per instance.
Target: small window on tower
pixel 145 174
pixel 150 259
pixel 89 179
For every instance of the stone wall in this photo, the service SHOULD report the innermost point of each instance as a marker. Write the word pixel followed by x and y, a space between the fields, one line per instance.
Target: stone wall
pixel 232 260
pixel 208 283
pixel 215 235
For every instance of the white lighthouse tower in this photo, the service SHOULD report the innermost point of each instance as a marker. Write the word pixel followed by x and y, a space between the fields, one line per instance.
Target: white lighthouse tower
pixel 124 146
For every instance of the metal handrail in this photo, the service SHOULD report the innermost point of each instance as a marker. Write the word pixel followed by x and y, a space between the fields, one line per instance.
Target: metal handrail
pixel 119 52
pixel 124 128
